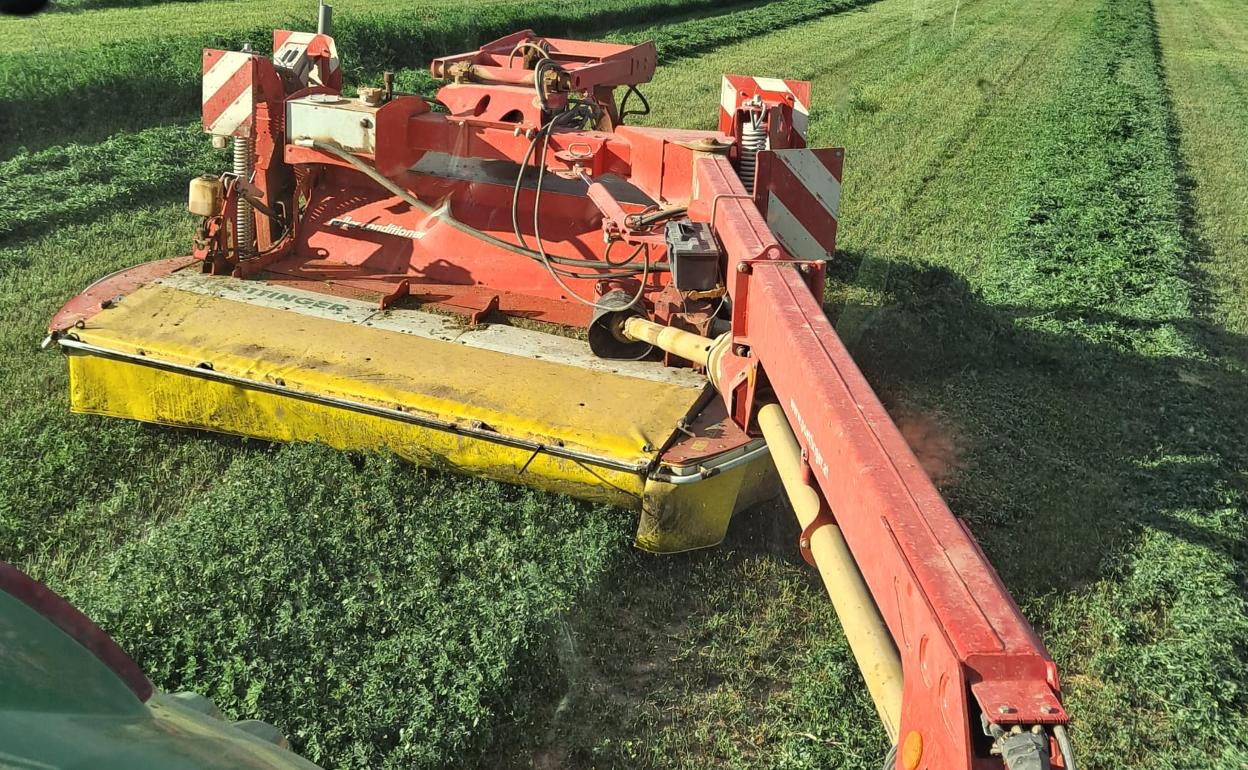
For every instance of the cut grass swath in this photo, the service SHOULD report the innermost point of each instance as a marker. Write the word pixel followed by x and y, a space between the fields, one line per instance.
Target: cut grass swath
pixel 1203 47
pixel 1096 246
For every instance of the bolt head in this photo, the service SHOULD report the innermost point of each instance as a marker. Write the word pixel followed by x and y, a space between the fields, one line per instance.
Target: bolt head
pixel 1048 710
pixel 743 267
pixel 1004 710
pixel 804 543
pixel 805 268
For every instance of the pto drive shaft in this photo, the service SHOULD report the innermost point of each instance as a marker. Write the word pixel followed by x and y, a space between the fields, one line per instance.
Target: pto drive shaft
pixel 868 637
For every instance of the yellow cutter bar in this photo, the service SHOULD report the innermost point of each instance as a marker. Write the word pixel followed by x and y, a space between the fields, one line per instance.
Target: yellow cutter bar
pixel 256 359
pixel 281 364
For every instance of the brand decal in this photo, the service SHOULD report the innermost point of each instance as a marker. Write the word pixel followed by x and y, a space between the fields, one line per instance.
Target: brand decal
pixel 347 223
pixel 813 455
pixel 277 295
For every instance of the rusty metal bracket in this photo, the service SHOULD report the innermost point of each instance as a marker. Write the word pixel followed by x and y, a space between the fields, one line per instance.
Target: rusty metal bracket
pixel 402 290
pixel 824 519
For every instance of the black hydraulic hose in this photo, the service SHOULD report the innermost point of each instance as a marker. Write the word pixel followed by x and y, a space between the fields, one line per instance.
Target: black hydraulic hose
pixel 644 220
pixel 624 111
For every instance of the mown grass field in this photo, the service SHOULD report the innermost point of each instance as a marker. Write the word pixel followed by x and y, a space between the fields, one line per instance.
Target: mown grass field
pixel 1204 45
pixel 1043 251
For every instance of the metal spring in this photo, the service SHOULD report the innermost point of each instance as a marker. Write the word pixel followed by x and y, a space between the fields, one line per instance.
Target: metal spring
pixel 244 223
pixel 753 139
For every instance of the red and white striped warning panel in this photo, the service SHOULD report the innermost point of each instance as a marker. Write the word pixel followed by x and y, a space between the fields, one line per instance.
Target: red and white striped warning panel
pixel 229 92
pixel 736 90
pixel 799 191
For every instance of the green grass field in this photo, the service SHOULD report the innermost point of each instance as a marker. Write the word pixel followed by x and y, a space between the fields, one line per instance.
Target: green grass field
pixel 1204 44
pixel 1044 253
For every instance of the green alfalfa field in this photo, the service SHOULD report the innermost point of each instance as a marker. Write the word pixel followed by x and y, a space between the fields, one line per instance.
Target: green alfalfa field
pixel 1043 251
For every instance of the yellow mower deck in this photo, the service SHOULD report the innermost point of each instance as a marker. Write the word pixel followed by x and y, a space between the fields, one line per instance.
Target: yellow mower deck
pixel 283 364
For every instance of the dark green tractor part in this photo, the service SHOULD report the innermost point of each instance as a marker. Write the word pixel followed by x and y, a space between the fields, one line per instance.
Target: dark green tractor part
pixel 71 698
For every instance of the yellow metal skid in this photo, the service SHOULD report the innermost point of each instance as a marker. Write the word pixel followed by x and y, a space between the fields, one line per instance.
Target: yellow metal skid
pixel 292 365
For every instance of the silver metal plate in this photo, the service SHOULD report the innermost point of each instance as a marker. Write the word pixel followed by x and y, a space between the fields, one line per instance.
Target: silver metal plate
pixel 349 123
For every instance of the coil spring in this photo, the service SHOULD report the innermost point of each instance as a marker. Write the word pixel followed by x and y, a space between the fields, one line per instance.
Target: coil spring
pixel 753 139
pixel 244 223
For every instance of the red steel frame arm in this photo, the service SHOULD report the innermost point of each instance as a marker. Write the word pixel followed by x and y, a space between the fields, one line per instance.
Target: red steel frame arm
pixel 955 626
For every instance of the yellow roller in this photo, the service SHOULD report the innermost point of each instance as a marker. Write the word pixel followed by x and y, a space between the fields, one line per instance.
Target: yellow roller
pixel 689 346
pixel 868 637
